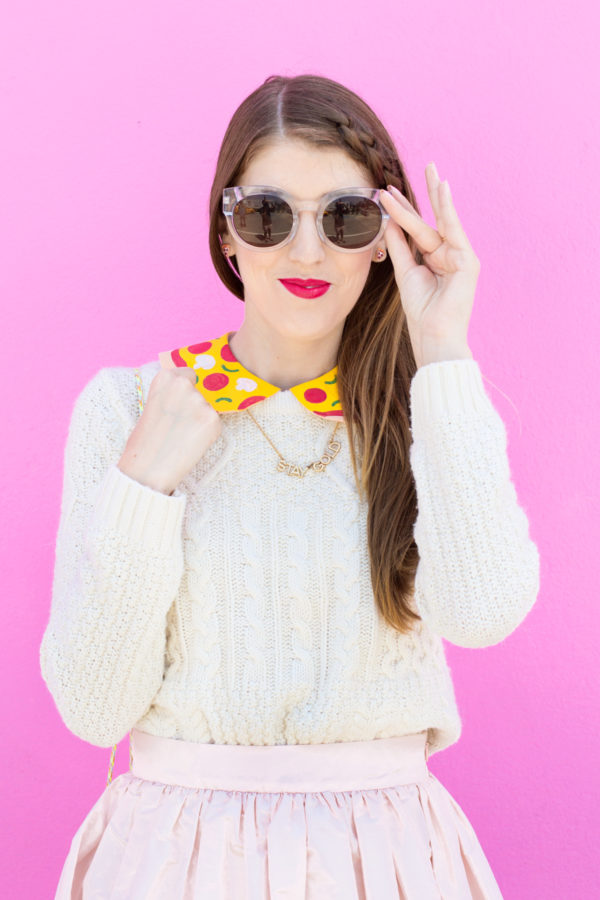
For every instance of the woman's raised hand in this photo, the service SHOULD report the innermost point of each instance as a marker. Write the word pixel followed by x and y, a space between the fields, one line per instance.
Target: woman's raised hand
pixel 437 296
pixel 176 428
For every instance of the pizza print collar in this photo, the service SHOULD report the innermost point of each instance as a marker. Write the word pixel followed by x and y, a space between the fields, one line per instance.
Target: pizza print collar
pixel 228 386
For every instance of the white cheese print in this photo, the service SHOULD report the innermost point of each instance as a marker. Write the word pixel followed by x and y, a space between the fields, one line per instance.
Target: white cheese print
pixel 204 361
pixel 245 384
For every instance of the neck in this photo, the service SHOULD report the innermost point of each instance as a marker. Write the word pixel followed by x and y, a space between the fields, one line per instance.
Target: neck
pixel 284 361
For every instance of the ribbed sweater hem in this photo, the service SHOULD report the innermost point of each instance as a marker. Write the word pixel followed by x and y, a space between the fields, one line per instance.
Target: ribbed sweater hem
pixel 138 511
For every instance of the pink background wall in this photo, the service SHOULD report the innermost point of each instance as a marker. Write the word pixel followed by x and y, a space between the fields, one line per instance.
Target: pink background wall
pixel 112 121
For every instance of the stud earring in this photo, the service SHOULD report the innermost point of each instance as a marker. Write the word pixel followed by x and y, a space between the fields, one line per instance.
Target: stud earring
pixel 226 249
pixel 380 254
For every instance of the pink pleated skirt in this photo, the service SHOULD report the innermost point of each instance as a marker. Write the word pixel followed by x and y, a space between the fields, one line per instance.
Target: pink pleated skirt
pixel 359 820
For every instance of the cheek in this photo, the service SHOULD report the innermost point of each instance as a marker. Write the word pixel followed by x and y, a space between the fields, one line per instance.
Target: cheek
pixel 357 268
pixel 258 265
pixel 254 267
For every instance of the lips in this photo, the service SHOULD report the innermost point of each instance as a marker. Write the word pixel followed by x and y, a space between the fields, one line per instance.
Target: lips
pixel 305 282
pixel 305 287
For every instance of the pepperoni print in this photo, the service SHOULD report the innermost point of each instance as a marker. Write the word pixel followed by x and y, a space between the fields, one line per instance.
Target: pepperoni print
pixel 315 395
pixel 200 348
pixel 215 382
pixel 178 359
pixel 249 401
pixel 227 353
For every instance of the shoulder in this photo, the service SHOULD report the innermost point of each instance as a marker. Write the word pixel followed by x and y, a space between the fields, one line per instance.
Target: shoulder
pixel 104 411
pixel 113 390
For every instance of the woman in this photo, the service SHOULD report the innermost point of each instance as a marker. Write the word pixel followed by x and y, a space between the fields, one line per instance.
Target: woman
pixel 254 578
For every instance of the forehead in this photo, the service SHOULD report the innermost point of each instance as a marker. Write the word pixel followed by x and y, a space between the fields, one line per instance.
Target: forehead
pixel 304 170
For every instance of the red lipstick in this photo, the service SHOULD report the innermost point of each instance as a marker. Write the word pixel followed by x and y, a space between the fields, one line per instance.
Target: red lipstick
pixel 305 287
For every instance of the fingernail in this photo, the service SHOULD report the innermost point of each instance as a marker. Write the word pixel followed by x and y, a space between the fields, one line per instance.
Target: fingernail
pixel 400 198
pixel 396 192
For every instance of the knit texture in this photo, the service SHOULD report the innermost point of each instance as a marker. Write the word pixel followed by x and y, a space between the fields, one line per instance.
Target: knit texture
pixel 240 610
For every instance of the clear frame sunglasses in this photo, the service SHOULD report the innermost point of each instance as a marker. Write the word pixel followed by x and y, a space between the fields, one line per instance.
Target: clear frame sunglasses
pixel 266 218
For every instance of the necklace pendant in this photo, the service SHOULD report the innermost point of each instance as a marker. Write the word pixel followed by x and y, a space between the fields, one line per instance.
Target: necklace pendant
pixel 290 469
pixel 300 471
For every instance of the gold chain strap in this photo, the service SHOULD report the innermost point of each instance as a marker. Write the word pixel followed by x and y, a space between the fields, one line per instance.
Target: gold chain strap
pixel 138 381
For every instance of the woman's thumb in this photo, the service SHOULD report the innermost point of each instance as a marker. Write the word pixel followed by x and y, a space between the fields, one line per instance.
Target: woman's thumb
pixel 186 372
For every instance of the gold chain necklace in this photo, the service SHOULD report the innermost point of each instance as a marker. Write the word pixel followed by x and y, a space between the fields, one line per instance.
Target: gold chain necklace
pixel 318 465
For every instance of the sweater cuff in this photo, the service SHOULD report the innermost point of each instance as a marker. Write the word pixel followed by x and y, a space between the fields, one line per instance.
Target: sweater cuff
pixel 143 514
pixel 445 391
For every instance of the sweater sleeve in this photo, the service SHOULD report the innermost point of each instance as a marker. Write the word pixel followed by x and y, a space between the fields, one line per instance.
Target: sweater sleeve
pixel 118 565
pixel 478 572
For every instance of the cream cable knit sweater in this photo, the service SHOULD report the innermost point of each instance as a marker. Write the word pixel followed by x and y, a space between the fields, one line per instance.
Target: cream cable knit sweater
pixel 239 610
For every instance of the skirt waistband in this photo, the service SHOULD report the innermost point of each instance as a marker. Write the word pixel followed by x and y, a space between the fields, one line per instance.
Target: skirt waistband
pixel 340 766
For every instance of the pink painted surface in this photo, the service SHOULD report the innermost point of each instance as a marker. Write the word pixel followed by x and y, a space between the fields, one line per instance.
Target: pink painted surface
pixel 113 115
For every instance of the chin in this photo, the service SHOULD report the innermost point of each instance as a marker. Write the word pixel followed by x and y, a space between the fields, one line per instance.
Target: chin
pixel 312 330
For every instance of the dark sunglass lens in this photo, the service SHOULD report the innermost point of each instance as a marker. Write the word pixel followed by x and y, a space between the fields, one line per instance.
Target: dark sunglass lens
pixel 262 220
pixel 352 222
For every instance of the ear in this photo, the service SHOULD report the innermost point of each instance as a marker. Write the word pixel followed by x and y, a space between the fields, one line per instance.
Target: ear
pixel 225 238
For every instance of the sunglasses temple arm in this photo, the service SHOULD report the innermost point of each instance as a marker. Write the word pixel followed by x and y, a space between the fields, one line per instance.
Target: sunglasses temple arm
pixel 229 263
pixel 231 266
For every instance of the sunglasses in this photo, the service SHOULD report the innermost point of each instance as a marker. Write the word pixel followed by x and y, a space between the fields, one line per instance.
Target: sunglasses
pixel 266 218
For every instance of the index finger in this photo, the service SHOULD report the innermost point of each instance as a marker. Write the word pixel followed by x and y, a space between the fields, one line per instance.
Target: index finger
pixel 403 213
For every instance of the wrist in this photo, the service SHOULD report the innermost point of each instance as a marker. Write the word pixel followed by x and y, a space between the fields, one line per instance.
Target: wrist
pixel 437 351
pixel 148 479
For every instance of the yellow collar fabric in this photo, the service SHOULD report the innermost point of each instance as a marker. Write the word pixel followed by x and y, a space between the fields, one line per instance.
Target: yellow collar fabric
pixel 229 387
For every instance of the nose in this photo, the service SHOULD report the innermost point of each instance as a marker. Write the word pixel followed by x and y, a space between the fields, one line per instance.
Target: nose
pixel 306 246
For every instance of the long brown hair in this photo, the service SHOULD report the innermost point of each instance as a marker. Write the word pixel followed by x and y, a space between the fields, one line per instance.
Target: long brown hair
pixel 375 357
